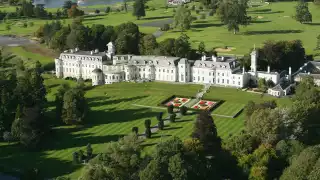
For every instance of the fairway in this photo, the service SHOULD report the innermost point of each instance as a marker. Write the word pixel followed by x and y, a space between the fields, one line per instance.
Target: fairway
pixel 228 109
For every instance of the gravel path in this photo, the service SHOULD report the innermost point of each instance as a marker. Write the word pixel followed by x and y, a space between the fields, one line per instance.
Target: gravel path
pixel 14 41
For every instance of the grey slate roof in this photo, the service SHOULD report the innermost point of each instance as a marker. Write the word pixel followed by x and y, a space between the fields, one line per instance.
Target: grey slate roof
pixel 227 63
pixel 85 53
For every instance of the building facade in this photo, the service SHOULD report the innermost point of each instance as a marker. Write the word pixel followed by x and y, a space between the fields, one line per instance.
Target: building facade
pixel 108 68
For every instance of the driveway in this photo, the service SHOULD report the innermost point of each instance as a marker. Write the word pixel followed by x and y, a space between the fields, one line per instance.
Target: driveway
pixel 14 41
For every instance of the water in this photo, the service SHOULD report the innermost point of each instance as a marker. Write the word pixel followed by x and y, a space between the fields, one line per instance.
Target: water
pixel 59 3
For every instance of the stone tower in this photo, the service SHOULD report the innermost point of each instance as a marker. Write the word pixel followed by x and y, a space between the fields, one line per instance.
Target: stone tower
pixel 111 50
pixel 254 59
pixel 59 67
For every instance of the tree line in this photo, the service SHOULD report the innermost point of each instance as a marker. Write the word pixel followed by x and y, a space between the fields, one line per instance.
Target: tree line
pixel 276 143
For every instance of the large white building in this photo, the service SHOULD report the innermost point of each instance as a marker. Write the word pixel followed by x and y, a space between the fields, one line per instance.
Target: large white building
pixel 108 68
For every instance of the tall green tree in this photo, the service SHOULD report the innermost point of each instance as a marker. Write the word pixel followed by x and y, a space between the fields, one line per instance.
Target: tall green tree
pixel 202 47
pixel 95 34
pixel 167 47
pixel 59 100
pixel 128 38
pixel 233 14
pixel 148 44
pixel 303 14
pixel 58 41
pixel 74 106
pixel 139 9
pixel 182 18
pixel 205 130
pixel 182 46
pixel 78 38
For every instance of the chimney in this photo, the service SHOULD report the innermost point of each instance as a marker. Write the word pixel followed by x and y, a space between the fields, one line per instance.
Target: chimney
pixel 289 70
pixel 222 58
pixel 96 51
pixel 76 49
pixel 268 69
pixel 243 70
pixel 71 50
pixel 91 52
pixel 214 58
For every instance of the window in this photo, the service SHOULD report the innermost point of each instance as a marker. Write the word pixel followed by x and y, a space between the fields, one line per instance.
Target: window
pixel 202 78
pixel 167 71
pixel 222 74
pixel 218 74
pixel 222 80
pixel 239 83
pixel 182 78
pixel 213 80
pixel 228 81
pixel 159 70
pixel 194 78
pixel 218 80
pixel 233 82
pixel 198 78
pixel 171 71
pixel 209 73
pixel 143 69
pixel 164 70
pixel 139 69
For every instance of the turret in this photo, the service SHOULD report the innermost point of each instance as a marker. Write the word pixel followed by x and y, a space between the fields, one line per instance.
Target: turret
pixel 111 50
pixel 254 56
pixel 59 68
pixel 97 77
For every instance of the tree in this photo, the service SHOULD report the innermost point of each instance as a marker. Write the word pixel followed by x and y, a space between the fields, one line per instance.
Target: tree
pixel 202 47
pixel 233 13
pixel 206 131
pixel 262 85
pixel 193 145
pixel 135 130
pixel 119 160
pixel 167 46
pixel 16 125
pixel 58 41
pixel 74 106
pixel 242 144
pixel 182 18
pixel 78 38
pixel 302 166
pixel 303 14
pixel 32 127
pixel 139 9
pixel 128 38
pixel 182 46
pixel 59 99
pixel 74 12
pixel 97 37
pixel 108 9
pixel 160 123
pixel 148 44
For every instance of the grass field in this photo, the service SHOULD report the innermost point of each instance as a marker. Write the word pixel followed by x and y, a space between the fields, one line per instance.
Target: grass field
pixel 229 109
pixel 270 22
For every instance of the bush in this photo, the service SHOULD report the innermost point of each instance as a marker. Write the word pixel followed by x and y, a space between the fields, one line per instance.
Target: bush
pixel 97 11
pixel 107 10
pixel 161 124
pixel 30 24
pixel 183 110
pixel 148 133
pixel 200 8
pixel 174 10
pixel 197 11
pixel 170 109
pixel 202 16
pixel 135 130
pixel 193 7
pixel 147 123
pixel 186 6
pixel 173 117
pixel 25 24
pixel 211 13
pixel 152 9
pixel 165 27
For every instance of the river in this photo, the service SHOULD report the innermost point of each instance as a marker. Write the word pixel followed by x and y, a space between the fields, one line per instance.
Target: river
pixel 59 3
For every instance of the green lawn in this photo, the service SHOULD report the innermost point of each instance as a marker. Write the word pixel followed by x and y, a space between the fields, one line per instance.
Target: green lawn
pixel 228 109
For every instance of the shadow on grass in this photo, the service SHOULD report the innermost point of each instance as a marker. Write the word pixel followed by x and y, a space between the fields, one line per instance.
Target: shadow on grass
pixel 147 145
pixel 159 136
pixel 272 32
pixel 172 128
pixel 265 11
pixel 201 22
pixel 157 17
pixel 313 24
pixel 92 19
pixel 260 10
pixel 203 25
pixel 259 22
pixel 102 100
pixel 19 160
pixel 182 121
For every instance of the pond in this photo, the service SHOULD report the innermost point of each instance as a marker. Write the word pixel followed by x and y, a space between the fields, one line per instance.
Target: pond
pixel 59 3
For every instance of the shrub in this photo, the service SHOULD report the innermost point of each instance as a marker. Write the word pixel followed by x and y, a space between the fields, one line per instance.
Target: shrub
pixel 165 27
pixel 186 6
pixel 200 8
pixel 202 16
pixel 135 130
pixel 183 110
pixel 170 109
pixel 152 9
pixel 7 136
pixel 146 7
pixel 161 124
pixel 174 10
pixel 147 123
pixel 30 24
pixel 148 133
pixel 107 10
pixel 173 117
pixel 197 11
pixel 211 13
pixel 193 7
pixel 97 11
pixel 75 157
pixel 89 150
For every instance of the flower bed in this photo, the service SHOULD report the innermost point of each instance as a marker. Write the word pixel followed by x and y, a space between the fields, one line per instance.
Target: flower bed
pixel 204 105
pixel 177 102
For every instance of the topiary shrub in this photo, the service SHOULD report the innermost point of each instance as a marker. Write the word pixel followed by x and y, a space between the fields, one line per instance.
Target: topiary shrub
pixel 202 16
pixel 173 117
pixel 183 110
pixel 165 27
pixel 174 10
pixel 107 10
pixel 135 130
pixel 197 11
pixel 170 109
pixel 152 9
pixel 97 11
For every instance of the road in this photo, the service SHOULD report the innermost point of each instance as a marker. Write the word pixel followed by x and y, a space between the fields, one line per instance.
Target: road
pixel 14 41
